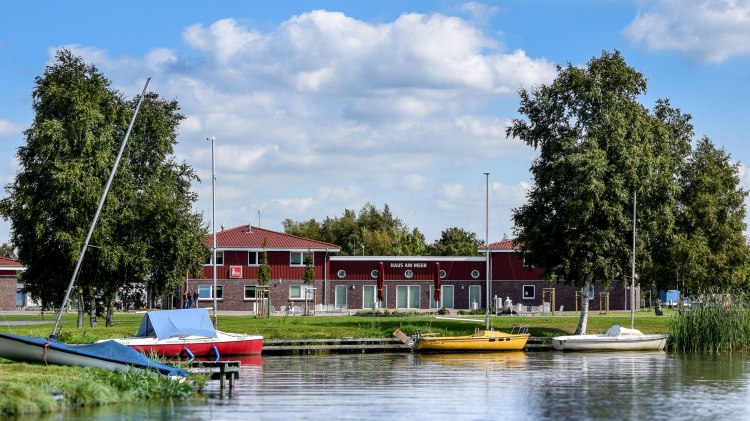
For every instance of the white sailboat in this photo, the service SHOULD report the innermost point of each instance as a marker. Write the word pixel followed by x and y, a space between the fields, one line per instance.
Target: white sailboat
pixel 616 338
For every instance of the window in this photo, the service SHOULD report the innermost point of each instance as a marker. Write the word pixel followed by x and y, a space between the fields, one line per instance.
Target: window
pixel 341 273
pixel 204 292
pixel 408 274
pixel 374 274
pixel 297 292
pixel 475 297
pixel 250 292
pixel 252 258
pixel 446 297
pixel 529 292
pixel 370 296
pixel 407 296
pixel 475 274
pixel 297 258
pixel 219 258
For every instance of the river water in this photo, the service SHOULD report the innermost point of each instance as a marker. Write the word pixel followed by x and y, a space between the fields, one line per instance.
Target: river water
pixel 515 386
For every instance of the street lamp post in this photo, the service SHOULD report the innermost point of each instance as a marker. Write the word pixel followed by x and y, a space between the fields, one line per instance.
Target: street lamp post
pixel 212 139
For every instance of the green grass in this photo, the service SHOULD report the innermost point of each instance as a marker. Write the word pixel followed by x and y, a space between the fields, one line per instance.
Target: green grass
pixel 358 326
pixel 715 325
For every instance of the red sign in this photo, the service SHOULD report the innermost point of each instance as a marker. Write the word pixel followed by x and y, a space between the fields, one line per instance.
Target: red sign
pixel 235 271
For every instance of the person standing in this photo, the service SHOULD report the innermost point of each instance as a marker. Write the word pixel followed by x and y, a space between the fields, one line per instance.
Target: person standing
pixel 195 298
pixel 187 299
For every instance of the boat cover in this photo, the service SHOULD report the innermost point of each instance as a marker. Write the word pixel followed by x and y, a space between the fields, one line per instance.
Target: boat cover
pixel 165 324
pixel 617 330
pixel 106 351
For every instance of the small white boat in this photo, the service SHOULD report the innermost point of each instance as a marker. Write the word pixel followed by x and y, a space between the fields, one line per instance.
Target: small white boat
pixel 617 338
pixel 109 356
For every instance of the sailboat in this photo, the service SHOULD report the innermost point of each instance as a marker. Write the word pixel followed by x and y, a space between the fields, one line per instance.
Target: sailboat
pixel 617 338
pixel 483 340
pixel 108 355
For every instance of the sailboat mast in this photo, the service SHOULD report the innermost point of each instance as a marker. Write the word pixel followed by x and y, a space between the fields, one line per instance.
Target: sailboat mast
pixel 213 223
pixel 632 271
pixel 98 212
pixel 487 247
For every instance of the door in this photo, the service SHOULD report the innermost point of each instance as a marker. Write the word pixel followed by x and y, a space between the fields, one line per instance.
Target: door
pixel 407 296
pixel 341 296
pixel 369 296
pixel 475 297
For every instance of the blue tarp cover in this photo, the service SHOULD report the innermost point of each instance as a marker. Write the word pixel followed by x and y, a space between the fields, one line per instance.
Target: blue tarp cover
pixel 165 324
pixel 107 351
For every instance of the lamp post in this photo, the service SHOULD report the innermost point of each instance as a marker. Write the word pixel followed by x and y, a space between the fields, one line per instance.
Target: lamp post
pixel 212 139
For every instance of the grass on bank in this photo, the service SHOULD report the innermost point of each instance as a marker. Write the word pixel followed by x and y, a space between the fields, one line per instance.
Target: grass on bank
pixel 37 389
pixel 365 325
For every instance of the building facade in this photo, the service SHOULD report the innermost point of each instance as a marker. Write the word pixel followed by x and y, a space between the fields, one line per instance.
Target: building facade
pixel 11 296
pixel 409 282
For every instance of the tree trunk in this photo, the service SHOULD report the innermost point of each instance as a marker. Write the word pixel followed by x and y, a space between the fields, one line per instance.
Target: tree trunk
pixel 92 308
pixel 80 308
pixel 584 319
pixel 108 319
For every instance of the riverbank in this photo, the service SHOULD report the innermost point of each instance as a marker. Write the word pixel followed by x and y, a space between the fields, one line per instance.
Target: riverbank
pixel 28 388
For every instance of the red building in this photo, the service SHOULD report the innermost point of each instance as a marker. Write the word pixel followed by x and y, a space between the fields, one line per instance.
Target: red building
pixel 10 296
pixel 350 282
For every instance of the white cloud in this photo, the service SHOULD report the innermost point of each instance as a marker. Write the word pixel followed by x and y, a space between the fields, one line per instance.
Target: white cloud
pixel 10 129
pixel 709 30
pixel 325 112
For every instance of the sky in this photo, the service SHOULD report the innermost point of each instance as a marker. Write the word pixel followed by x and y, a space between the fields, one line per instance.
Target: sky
pixel 321 106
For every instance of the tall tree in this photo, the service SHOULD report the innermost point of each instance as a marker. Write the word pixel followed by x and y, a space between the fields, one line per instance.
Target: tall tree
pixel 711 253
pixel 597 145
pixel 455 242
pixel 147 231
pixel 372 231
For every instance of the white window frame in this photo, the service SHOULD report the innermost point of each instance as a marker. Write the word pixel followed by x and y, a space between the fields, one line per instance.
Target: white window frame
pixel 532 288
pixel 219 258
pixel 219 290
pixel 255 295
pixel 302 255
pixel 257 258
pixel 302 291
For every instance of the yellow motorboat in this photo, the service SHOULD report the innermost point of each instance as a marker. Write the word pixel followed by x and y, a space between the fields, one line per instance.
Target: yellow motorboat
pixel 483 340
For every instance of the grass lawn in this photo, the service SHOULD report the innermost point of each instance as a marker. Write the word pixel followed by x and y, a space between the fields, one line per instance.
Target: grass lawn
pixel 357 326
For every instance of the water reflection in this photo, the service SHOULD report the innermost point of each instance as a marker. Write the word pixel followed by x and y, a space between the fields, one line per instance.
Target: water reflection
pixel 523 386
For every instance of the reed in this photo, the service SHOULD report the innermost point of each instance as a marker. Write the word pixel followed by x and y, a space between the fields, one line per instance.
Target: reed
pixel 714 323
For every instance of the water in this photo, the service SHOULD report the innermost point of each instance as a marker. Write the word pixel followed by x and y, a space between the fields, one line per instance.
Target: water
pixel 516 386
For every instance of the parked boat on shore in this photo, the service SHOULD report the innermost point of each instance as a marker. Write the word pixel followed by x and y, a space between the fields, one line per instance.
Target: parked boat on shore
pixel 617 338
pixel 188 333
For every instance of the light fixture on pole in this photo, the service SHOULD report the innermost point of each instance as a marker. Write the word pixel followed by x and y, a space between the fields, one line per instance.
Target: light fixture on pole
pixel 212 139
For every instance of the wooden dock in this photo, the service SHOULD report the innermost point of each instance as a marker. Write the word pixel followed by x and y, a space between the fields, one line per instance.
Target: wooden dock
pixel 339 345
pixel 223 371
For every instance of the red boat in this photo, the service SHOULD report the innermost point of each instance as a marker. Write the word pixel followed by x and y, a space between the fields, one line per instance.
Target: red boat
pixel 188 333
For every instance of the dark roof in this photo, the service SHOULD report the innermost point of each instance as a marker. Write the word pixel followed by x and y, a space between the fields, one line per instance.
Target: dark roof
pixel 244 237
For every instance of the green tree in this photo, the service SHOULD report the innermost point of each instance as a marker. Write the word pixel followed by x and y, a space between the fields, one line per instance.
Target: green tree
pixel 309 276
pixel 6 250
pixel 373 232
pixel 711 252
pixel 146 232
pixel 597 146
pixel 455 242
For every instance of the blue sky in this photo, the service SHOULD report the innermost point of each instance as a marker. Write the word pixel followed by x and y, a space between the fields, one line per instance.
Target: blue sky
pixel 321 106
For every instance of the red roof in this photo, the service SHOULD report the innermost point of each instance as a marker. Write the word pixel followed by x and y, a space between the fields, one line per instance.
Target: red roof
pixel 8 262
pixel 253 238
pixel 505 245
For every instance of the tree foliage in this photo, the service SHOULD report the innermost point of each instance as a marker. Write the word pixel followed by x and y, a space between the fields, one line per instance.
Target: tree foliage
pixel 371 231
pixel 455 242
pixel 147 231
pixel 711 253
pixel 597 147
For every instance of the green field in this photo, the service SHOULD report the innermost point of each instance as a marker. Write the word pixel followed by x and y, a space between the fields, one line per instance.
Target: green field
pixel 367 325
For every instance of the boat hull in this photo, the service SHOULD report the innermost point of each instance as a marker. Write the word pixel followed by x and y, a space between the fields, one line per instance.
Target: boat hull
pixel 39 350
pixel 483 341
pixel 608 343
pixel 199 346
